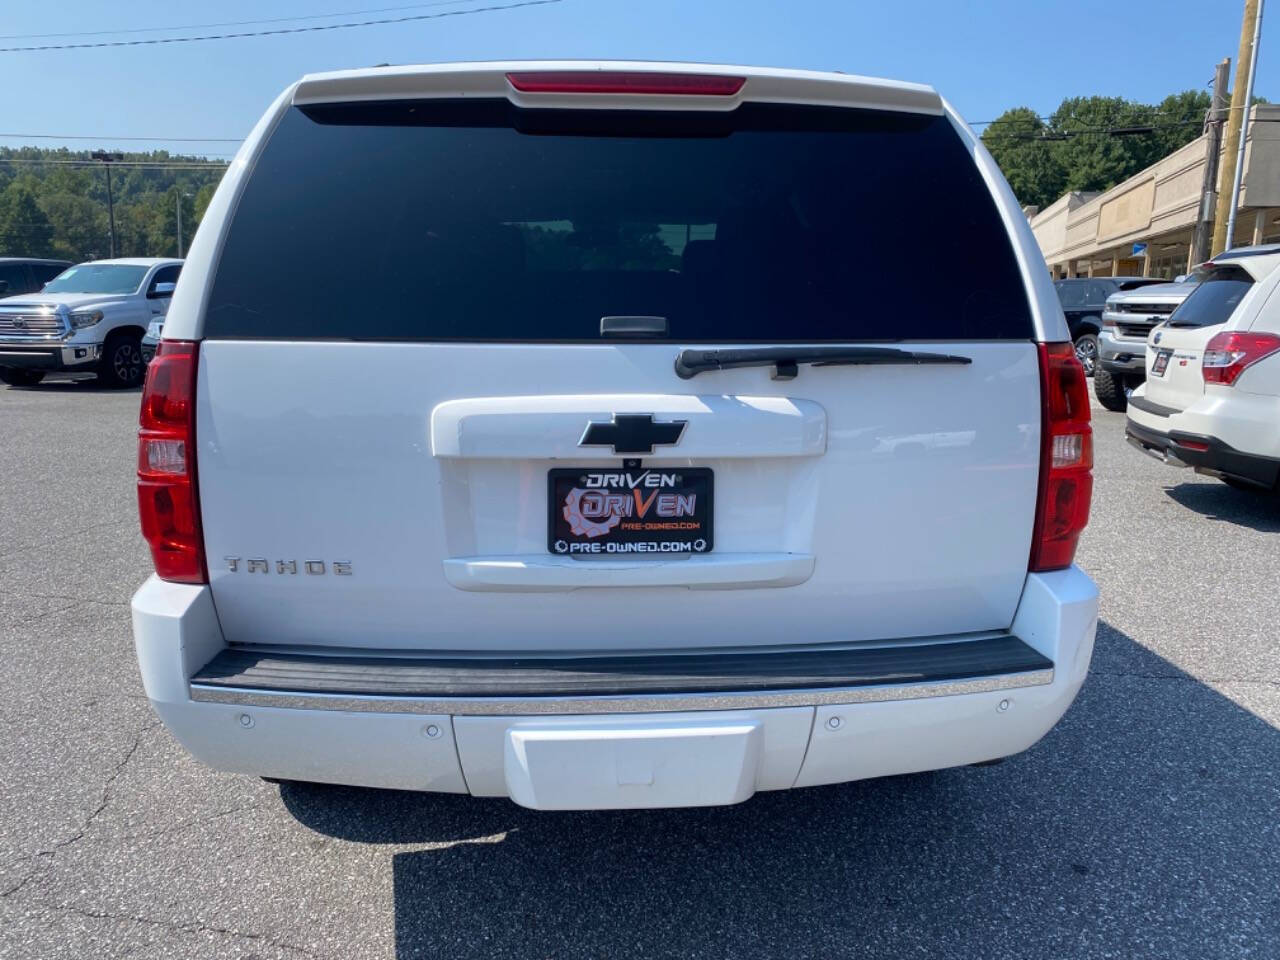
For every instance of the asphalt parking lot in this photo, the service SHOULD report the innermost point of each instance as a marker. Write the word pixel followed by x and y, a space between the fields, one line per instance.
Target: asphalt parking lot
pixel 1146 824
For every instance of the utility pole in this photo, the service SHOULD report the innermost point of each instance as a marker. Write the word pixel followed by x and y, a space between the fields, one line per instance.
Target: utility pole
pixel 1244 127
pixel 107 159
pixel 1213 147
pixel 179 199
pixel 1239 104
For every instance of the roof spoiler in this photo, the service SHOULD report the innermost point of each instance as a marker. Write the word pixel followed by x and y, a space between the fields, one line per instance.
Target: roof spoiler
pixel 495 80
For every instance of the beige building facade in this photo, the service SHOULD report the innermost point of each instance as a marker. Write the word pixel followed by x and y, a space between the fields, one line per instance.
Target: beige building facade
pixel 1144 226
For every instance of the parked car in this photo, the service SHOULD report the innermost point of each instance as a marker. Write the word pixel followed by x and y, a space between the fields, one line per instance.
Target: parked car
pixel 589 493
pixel 151 339
pixel 90 318
pixel 1211 400
pixel 26 274
pixel 1082 301
pixel 1127 321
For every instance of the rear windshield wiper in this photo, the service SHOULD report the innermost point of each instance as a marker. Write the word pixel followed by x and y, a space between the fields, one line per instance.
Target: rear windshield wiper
pixel 785 360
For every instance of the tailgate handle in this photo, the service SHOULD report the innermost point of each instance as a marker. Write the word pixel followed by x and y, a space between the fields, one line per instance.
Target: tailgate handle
pixel 633 326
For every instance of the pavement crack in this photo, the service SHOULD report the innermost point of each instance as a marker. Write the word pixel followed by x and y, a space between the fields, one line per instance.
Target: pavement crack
pixel 45 613
pixel 76 534
pixel 115 775
pixel 194 822
pixel 5 894
pixel 79 834
pixel 58 596
pixel 196 927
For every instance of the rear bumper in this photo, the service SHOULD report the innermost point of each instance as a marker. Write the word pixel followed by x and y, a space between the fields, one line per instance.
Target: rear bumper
pixel 1206 454
pixel 846 715
pixel 49 356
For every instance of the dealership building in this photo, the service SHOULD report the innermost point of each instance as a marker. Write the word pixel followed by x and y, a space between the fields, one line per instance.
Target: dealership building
pixel 1144 226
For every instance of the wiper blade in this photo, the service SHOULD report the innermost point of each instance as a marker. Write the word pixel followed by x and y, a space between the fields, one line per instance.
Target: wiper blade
pixel 785 360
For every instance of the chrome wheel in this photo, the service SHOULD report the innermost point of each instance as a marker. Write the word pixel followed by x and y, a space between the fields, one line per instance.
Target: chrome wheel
pixel 1087 353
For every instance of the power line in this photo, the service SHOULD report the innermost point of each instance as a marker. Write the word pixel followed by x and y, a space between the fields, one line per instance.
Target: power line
pixel 178 165
pixel 1125 130
pixel 1048 119
pixel 228 23
pixel 282 30
pixel 68 136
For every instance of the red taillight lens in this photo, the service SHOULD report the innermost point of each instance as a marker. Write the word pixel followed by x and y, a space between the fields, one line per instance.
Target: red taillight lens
pixel 1228 354
pixel 625 81
pixel 167 501
pixel 1066 459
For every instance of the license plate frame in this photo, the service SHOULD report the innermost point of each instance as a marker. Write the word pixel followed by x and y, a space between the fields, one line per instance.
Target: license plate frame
pixel 1161 363
pixel 573 528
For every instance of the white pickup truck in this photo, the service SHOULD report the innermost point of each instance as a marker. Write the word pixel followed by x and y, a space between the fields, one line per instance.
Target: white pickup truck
pixel 88 319
pixel 642 467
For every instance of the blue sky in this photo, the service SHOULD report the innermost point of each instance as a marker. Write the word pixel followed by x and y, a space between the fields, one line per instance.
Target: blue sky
pixel 983 55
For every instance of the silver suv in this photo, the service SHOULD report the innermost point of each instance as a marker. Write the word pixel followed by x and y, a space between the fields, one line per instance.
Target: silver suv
pixel 1128 317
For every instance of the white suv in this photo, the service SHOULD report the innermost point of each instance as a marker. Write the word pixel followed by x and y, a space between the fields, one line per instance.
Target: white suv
pixel 88 319
pixel 608 485
pixel 1212 396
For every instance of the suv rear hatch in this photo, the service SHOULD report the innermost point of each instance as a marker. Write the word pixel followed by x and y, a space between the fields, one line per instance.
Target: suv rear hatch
pixel 405 337
pixel 1175 353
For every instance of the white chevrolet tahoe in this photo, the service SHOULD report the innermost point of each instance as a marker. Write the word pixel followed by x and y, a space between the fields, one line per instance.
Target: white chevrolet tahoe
pixel 88 319
pixel 643 467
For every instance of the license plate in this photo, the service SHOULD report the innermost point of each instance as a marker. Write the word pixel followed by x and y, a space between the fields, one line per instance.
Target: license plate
pixel 609 512
pixel 1160 363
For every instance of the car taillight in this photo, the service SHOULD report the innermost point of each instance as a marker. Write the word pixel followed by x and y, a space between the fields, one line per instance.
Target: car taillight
pixel 625 81
pixel 1066 459
pixel 1228 354
pixel 167 499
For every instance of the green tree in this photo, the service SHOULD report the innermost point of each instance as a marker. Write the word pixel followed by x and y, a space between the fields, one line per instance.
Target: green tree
pixel 24 227
pixel 74 200
pixel 1179 119
pixel 203 198
pixel 80 225
pixel 1017 142
pixel 1092 157
pixel 1090 143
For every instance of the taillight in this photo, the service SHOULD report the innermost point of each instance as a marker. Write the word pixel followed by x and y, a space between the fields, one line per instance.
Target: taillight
pixel 1066 459
pixel 625 81
pixel 167 500
pixel 1228 354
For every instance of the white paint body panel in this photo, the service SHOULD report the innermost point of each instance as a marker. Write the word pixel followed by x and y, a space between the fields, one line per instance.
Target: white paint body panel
pixel 668 760
pixel 898 501
pixel 529 574
pixel 489 79
pixel 549 426
pixel 1058 617
pixel 176 633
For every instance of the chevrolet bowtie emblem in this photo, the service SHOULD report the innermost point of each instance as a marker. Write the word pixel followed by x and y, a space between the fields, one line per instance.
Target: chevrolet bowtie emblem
pixel 631 433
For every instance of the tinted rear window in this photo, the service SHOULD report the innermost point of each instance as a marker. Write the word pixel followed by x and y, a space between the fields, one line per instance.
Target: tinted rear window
pixel 445 220
pixel 1214 300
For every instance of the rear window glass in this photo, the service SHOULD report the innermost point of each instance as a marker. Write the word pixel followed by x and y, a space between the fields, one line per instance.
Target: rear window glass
pixel 1214 300
pixel 448 220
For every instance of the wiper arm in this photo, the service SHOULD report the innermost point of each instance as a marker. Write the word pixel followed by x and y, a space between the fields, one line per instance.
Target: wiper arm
pixel 785 360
